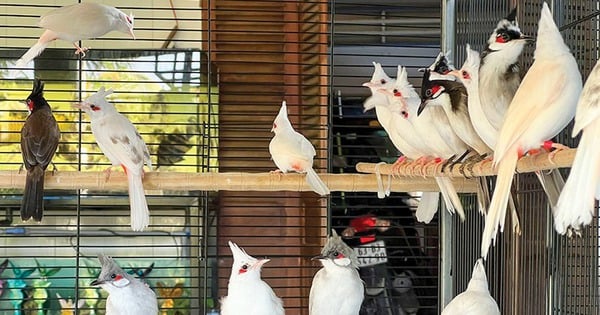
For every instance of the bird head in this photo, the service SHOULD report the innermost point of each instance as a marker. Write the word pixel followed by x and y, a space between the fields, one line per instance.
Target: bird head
pixel 112 277
pixel 549 42
pixel 244 266
pixel 478 280
pixel 125 23
pixel 470 68
pixel 282 122
pixel 508 39
pixel 36 97
pixel 337 253
pixel 379 80
pixel 96 104
pixel 431 90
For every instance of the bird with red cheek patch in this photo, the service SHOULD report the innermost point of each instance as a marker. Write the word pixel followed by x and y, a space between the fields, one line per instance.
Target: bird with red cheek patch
pixel 126 294
pixel 337 287
pixel 247 293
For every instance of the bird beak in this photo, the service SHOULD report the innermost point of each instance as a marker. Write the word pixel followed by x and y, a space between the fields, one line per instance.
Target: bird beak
pixel 455 73
pixel 527 38
pixel 368 84
pixel 82 106
pixel 318 257
pixel 421 107
pixel 131 33
pixel 260 262
pixel 96 282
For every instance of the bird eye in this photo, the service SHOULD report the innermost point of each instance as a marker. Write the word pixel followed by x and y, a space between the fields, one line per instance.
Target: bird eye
pixel 94 107
pixel 274 126
pixel 465 74
pixel 428 92
pixel 383 81
pixel 113 276
pixel 245 267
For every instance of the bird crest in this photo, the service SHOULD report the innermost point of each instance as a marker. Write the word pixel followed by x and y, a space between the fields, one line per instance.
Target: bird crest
pixel 336 250
pixel 472 61
pixel 282 121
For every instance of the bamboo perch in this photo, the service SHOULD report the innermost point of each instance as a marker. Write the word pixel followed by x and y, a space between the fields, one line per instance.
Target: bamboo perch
pixel 526 164
pixel 178 181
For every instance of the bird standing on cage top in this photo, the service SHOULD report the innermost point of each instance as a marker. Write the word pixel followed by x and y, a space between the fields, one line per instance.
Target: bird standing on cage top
pixel 542 106
pixel 77 22
pixel 123 146
pixel 247 293
pixel 39 140
pixel 291 151
pixel 126 294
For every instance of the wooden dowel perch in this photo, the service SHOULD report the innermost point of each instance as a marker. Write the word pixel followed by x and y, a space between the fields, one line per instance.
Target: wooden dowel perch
pixel 177 181
pixel 526 164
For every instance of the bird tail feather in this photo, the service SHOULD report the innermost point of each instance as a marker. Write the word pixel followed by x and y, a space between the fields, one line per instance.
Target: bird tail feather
pixel 450 196
pixel 497 212
pixel 140 216
pixel 575 207
pixel 32 205
pixel 483 195
pixel 33 52
pixel 428 206
pixel 315 182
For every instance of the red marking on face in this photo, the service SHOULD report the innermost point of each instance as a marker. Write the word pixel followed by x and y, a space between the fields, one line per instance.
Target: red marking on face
pixel 118 277
pixel 405 114
pixel 465 75
pixel 129 20
pixel 94 108
pixel 397 93
pixel 244 269
pixel 500 39
pixel 30 104
pixel 274 126
pixel 339 256
pixel 435 89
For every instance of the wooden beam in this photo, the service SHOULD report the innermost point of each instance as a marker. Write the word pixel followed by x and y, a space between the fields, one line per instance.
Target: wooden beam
pixel 232 181
pixel 539 162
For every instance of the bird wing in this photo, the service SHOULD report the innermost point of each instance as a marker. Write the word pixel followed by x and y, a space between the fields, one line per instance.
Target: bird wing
pixel 81 21
pixel 588 108
pixel 39 139
pixel 539 88
pixel 121 143
pixel 294 145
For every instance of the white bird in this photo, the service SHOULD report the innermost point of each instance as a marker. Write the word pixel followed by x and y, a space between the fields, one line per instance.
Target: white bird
pixel 392 112
pixel 123 146
pixel 291 151
pixel 542 106
pixel 499 76
pixel 575 207
pixel 77 22
pixel 126 294
pixel 336 288
pixel 247 293
pixel 476 299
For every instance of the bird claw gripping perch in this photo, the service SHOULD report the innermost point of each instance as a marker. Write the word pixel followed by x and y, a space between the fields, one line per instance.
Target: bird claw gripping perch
pixel 381 192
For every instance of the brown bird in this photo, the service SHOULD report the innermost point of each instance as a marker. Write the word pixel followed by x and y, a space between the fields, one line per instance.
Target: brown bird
pixel 39 140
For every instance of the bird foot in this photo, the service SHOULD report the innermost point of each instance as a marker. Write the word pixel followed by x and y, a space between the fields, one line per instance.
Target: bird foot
pixel 277 172
pixel 54 169
pixel 402 161
pixel 20 169
pixel 81 51
pixel 553 148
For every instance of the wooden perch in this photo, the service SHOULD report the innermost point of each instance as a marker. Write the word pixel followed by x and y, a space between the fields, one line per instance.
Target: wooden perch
pixel 177 181
pixel 526 164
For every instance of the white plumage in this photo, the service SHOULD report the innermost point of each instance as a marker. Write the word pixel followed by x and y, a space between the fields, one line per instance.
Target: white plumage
pixel 476 299
pixel 247 293
pixel 291 151
pixel 542 106
pixel 575 207
pixel 123 146
pixel 77 22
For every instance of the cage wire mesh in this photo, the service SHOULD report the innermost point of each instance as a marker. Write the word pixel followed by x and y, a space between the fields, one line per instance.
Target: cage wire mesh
pixel 538 272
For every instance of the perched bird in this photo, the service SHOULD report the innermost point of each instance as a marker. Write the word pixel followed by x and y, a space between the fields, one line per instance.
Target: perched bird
pixel 400 123
pixel 575 207
pixel 336 288
pixel 476 300
pixel 452 97
pixel 291 151
pixel 39 140
pixel 499 76
pixel 126 294
pixel 77 22
pixel 123 146
pixel 542 106
pixel 247 293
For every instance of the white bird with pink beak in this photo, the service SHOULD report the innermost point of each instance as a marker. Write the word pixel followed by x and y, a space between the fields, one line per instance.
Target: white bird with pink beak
pixel 247 293
pixel 77 22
